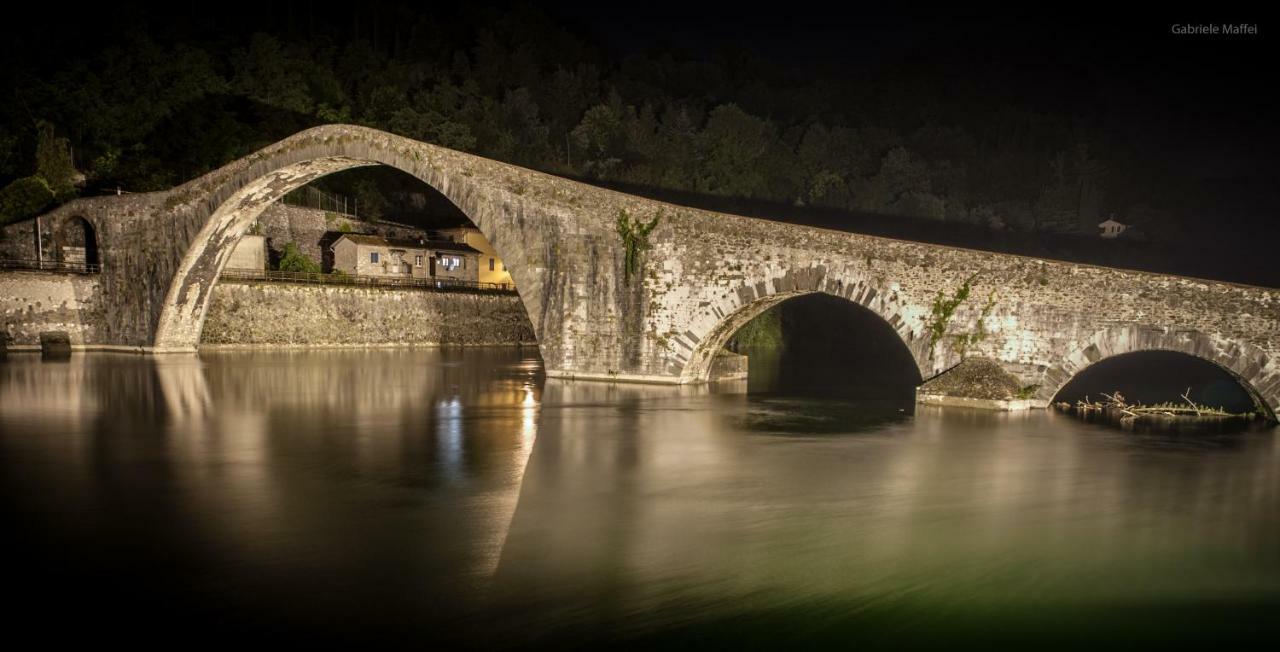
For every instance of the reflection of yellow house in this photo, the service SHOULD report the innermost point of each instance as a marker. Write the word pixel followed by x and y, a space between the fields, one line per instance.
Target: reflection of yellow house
pixel 491 268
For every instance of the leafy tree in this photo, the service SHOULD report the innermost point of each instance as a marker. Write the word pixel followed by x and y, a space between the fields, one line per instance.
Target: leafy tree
pixel 24 198
pixel 273 74
pixel 828 158
pixel 53 162
pixel 8 152
pixel 734 147
pixel 601 139
pixel 370 202
pixel 444 113
pixel 511 129
pixel 293 260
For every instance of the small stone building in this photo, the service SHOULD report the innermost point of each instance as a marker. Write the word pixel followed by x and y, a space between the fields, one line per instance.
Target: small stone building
pixel 250 254
pixel 377 256
pixel 1112 229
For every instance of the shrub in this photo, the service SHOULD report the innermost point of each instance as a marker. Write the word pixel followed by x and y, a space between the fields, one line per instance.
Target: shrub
pixel 24 198
pixel 293 260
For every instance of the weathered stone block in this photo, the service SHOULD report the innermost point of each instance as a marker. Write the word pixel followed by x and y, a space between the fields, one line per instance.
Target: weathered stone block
pixel 730 366
pixel 55 344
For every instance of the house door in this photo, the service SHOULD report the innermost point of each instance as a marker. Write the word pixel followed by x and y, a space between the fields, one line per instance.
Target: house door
pixel 433 265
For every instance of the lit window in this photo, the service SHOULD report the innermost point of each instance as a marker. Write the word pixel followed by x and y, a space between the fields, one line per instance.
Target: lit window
pixel 373 256
pixel 450 262
pixel 419 261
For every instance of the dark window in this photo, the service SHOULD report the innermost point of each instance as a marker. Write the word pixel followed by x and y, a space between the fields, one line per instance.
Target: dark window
pixel 373 256
pixel 491 264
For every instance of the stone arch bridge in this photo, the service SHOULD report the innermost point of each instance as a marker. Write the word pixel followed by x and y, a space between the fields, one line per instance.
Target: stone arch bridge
pixel 704 274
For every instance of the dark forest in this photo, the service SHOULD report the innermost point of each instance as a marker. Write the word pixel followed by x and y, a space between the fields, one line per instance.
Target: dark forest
pixel 1019 134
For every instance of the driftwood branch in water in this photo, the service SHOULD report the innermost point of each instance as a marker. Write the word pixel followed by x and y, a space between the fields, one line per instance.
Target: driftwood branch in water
pixel 1116 406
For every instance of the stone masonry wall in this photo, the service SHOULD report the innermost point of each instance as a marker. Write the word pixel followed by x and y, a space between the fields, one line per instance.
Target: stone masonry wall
pixel 18 241
pixel 285 314
pixel 31 302
pixel 284 223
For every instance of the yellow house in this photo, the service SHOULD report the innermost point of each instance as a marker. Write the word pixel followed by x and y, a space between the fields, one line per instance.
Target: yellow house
pixel 491 268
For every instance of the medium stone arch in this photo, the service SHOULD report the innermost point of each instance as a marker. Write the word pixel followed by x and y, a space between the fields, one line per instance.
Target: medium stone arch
pixel 241 195
pixel 1256 372
pixel 721 319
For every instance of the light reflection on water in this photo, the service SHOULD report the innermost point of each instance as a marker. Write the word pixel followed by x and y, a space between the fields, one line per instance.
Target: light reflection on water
pixel 457 494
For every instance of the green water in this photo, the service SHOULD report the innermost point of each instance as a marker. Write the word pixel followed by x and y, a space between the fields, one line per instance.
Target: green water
pixel 458 499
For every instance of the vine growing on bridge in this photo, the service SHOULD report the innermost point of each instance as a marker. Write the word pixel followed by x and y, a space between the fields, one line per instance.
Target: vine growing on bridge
pixel 979 333
pixel 635 240
pixel 944 308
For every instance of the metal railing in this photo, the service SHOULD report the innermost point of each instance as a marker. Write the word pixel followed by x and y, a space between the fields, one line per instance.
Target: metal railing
pixel 33 264
pixel 433 284
pixel 309 197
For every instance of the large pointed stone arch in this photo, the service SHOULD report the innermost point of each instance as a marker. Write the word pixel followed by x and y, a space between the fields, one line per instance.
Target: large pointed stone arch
pixel 711 330
pixel 1257 373
pixel 233 199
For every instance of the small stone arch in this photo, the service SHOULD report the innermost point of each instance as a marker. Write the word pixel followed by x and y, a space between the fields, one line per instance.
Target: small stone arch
pixel 717 322
pixel 75 244
pixel 1252 368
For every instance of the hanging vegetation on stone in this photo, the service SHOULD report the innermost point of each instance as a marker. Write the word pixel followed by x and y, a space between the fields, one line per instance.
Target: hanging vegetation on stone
pixel 944 309
pixel 635 240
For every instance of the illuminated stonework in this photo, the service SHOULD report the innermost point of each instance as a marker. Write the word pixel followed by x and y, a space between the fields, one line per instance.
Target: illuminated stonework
pixel 705 274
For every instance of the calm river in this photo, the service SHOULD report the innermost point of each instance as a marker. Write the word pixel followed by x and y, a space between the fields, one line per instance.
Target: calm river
pixel 432 498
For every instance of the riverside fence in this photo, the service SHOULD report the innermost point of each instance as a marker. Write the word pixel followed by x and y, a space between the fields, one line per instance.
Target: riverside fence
pixel 430 284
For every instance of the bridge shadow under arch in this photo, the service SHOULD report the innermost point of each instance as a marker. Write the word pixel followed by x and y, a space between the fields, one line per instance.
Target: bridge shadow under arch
pixel 819 345
pixel 1151 377
pixel 829 336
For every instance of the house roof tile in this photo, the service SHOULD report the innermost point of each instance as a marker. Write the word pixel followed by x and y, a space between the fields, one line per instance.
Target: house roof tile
pixel 406 243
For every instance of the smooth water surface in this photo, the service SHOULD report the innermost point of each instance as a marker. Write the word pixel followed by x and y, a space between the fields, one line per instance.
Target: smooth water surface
pixel 427 498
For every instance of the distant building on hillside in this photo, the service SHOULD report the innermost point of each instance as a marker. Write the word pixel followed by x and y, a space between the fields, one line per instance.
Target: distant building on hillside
pixel 374 255
pixel 492 269
pixel 1111 228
